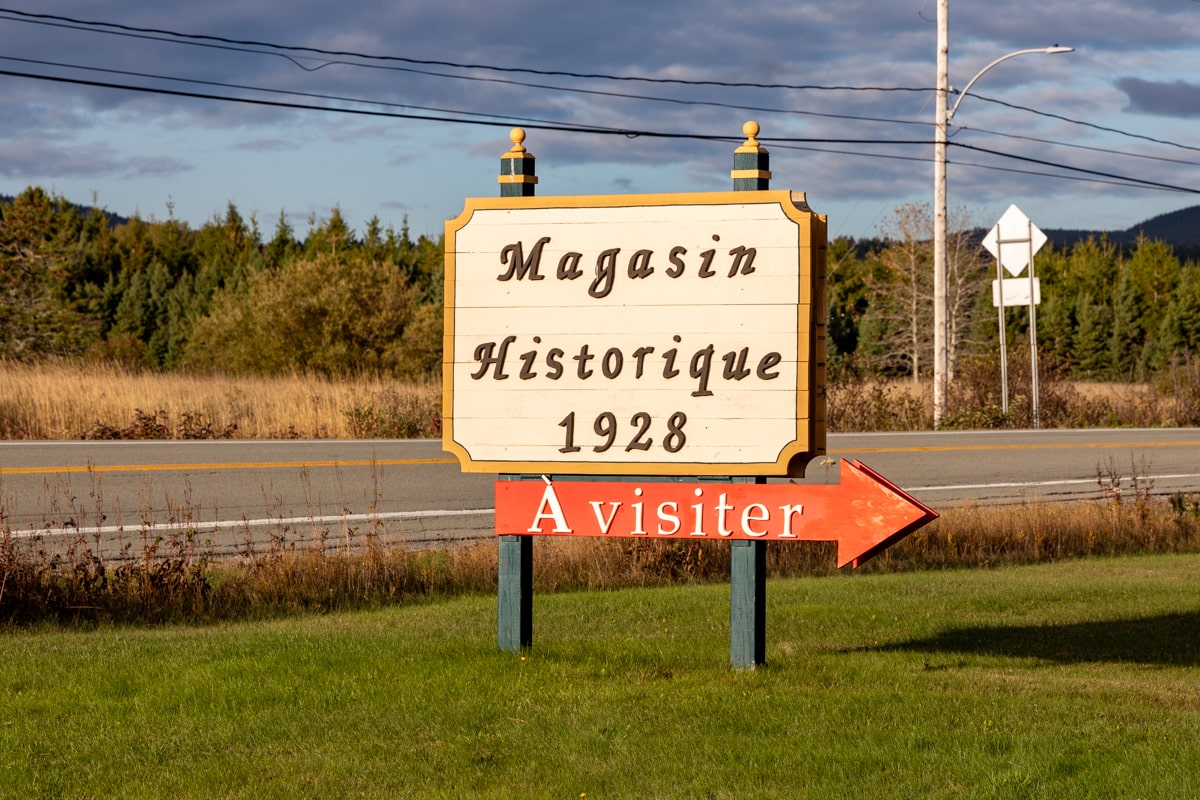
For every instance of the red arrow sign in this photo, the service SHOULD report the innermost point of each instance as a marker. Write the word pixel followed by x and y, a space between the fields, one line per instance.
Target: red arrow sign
pixel 864 514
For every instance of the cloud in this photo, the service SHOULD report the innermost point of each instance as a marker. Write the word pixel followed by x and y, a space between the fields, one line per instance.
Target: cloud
pixel 1177 98
pixel 1134 68
pixel 34 159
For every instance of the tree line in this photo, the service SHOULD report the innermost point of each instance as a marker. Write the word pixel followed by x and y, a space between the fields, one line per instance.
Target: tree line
pixel 160 294
pixel 1108 312
pixel 218 298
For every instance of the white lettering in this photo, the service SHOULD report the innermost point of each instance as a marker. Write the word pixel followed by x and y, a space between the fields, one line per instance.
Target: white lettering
pixel 722 507
pixel 760 514
pixel 672 518
pixel 555 513
pixel 788 511
pixel 638 530
pixel 699 509
pixel 604 524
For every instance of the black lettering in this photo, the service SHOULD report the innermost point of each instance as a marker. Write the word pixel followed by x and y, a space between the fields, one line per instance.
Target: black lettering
pixel 584 356
pixel 612 362
pixel 699 369
pixel 743 260
pixel 676 268
pixel 639 264
pixel 568 267
pixel 640 354
pixel 518 265
pixel 769 361
pixel 706 270
pixel 554 362
pixel 527 360
pixel 606 268
pixel 669 370
pixel 735 365
pixel 485 354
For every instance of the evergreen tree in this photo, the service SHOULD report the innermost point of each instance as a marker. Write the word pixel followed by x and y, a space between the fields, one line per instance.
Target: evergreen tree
pixel 1127 334
pixel 1091 338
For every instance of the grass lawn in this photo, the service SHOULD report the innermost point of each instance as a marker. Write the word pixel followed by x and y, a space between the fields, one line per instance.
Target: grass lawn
pixel 1071 680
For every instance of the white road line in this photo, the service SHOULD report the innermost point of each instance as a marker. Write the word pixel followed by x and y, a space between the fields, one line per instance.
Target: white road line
pixel 176 527
pixel 1034 484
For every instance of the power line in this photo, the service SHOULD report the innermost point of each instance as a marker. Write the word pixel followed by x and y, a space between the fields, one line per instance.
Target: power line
pixel 552 126
pixel 157 34
pixel 291 92
pixel 1091 125
pixel 1131 181
pixel 785 142
pixel 621 95
pixel 54 19
pixel 494 80
pixel 1091 148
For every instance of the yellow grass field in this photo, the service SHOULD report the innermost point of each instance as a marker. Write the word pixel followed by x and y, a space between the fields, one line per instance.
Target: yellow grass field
pixel 56 401
pixel 105 400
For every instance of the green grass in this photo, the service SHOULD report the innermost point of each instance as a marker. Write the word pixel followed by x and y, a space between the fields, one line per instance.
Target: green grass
pixel 1077 679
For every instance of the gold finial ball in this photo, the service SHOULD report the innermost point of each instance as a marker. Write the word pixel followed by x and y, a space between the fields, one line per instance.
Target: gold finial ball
pixel 517 136
pixel 751 129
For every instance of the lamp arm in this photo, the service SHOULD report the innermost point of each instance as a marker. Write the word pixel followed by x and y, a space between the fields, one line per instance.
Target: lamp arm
pixel 978 75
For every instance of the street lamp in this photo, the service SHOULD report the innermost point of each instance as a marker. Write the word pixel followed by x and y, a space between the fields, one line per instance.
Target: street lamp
pixel 961 95
pixel 942 119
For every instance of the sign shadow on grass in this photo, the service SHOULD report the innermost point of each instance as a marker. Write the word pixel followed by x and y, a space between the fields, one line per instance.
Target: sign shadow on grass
pixel 1164 640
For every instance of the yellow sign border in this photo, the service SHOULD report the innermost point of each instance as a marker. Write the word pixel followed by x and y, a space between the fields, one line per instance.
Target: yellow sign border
pixel 809 441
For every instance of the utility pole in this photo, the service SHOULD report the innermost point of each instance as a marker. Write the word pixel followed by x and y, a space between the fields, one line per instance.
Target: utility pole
pixel 940 344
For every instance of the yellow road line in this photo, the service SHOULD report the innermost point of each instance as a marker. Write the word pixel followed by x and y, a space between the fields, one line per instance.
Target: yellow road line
pixel 977 447
pixel 419 461
pixel 220 466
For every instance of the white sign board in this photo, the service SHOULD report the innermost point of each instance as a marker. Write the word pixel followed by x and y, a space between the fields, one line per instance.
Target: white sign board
pixel 643 334
pixel 1015 292
pixel 1014 240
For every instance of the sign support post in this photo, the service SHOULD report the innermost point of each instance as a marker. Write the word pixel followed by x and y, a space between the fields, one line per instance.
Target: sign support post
pixel 748 560
pixel 518 178
pixel 515 619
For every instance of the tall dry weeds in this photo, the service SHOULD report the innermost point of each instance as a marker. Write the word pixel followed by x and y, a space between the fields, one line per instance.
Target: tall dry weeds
pixel 174 581
pixel 104 400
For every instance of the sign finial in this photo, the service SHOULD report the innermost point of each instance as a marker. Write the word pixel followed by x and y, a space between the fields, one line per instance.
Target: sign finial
pixel 517 176
pixel 751 162
pixel 751 130
pixel 517 136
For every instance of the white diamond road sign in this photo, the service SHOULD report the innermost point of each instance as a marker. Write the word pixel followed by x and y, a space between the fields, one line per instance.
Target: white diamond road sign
pixel 1013 240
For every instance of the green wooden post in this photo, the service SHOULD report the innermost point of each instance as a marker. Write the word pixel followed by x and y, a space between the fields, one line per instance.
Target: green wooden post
pixel 747 604
pixel 748 560
pixel 515 591
pixel 515 619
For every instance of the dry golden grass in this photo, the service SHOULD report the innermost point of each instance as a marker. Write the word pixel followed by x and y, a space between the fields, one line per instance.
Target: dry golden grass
pixel 102 400
pixel 69 400
pixel 170 581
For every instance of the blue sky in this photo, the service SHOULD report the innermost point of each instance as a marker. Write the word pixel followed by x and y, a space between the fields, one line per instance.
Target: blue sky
pixel 1077 139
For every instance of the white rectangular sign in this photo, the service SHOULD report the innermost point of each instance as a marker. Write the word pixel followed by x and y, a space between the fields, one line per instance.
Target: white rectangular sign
pixel 642 334
pixel 1016 292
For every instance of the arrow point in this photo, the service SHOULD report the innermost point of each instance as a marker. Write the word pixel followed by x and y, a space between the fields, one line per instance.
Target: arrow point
pixel 885 514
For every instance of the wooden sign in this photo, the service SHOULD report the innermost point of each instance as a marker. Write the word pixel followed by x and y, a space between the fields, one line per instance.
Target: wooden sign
pixel 650 334
pixel 864 513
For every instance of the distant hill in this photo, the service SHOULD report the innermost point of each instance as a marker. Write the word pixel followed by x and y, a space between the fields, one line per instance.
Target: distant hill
pixel 1180 229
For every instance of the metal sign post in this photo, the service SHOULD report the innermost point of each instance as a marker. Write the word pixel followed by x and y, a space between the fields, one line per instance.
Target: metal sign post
pixel 1033 355
pixel 1016 228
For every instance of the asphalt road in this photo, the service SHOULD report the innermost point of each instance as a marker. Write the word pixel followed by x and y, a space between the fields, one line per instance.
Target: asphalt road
pixel 238 495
